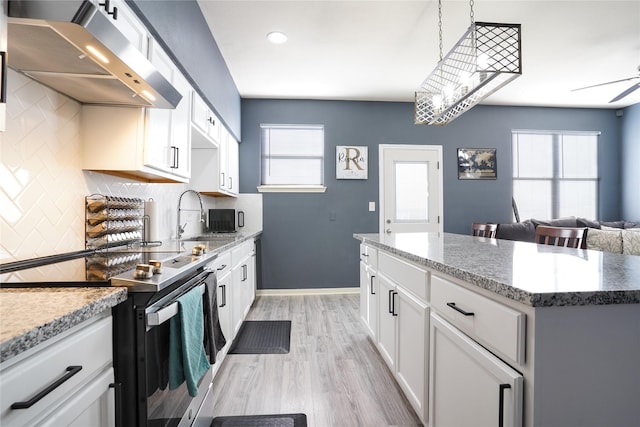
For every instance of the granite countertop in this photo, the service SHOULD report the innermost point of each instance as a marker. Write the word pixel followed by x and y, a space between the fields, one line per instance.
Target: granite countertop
pixel 536 275
pixel 29 316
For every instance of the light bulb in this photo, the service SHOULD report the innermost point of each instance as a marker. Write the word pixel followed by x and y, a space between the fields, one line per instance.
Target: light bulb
pixel 277 37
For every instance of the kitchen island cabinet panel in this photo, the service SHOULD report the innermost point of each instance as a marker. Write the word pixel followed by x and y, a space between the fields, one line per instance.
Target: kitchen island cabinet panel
pixel 469 385
pixel 560 326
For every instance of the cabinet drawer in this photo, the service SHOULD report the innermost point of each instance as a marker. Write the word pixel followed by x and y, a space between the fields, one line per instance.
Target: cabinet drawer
pixel 404 274
pixel 499 327
pixel 369 256
pixel 88 346
pixel 240 252
pixel 222 264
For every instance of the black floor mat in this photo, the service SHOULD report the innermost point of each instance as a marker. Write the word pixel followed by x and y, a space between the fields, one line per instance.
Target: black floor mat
pixel 262 337
pixel 285 420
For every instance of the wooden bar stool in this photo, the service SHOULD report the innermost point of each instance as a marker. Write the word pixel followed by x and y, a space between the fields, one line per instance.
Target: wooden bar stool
pixel 481 229
pixel 567 237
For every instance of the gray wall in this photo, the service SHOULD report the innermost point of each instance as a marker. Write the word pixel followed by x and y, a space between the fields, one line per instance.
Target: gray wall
pixel 630 163
pixel 196 51
pixel 303 248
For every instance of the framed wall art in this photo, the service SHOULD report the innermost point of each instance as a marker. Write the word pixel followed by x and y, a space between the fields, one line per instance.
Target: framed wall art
pixel 477 163
pixel 352 162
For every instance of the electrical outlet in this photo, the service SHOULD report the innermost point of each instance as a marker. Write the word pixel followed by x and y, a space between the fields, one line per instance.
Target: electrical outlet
pixel 372 206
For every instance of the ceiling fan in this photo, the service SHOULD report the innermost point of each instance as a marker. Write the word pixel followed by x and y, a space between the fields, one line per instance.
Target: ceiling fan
pixel 624 93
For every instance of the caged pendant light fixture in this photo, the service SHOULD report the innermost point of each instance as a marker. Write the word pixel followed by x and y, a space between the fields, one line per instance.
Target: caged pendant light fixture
pixel 487 57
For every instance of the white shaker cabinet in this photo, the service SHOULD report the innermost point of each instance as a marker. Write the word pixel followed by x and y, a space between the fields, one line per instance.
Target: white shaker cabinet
pixel 215 171
pixel 205 126
pixel 168 135
pixel 68 383
pixel 387 312
pixel 369 289
pixel 3 64
pixel 469 385
pixel 126 21
pixel 233 165
pixel 243 281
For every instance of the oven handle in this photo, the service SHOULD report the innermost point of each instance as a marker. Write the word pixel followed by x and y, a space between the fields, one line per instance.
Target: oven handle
pixel 159 317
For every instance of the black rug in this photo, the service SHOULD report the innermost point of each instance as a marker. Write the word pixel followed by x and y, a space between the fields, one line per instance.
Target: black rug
pixel 262 337
pixel 285 420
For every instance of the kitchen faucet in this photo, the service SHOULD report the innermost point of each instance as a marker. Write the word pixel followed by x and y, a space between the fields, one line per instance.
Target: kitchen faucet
pixel 179 228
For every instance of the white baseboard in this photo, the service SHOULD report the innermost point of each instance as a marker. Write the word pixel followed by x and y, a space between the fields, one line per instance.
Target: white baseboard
pixel 317 291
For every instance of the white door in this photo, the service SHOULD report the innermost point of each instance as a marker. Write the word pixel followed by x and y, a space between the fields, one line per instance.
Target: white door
pixel 469 386
pixel 410 188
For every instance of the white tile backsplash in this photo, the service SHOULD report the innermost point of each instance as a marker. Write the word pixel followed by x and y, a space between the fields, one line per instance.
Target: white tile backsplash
pixel 42 182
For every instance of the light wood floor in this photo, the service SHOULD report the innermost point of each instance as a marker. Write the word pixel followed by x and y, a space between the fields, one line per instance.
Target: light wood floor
pixel 333 372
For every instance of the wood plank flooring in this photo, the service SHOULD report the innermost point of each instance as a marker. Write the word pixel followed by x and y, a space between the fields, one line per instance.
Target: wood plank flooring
pixel 333 372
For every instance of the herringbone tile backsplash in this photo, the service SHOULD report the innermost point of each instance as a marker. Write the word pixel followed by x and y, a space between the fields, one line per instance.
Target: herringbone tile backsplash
pixel 42 181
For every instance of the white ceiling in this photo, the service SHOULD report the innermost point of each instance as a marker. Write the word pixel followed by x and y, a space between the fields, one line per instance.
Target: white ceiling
pixel 382 50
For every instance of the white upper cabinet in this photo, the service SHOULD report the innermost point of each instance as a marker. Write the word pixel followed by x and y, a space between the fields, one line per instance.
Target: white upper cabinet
pixel 215 171
pixel 151 145
pixel 3 64
pixel 205 125
pixel 167 147
pixel 126 22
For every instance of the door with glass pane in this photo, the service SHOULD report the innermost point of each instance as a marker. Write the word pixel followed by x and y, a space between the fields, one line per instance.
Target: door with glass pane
pixel 410 188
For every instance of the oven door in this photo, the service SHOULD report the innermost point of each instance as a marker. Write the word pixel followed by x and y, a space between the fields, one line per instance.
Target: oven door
pixel 166 406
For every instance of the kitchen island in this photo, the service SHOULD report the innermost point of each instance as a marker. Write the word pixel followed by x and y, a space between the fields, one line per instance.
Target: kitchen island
pixel 556 331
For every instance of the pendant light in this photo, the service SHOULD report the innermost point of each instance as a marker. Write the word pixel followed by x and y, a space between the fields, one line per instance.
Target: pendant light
pixel 487 57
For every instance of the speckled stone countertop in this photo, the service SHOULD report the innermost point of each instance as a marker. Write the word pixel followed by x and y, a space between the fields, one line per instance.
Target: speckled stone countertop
pixel 29 316
pixel 536 275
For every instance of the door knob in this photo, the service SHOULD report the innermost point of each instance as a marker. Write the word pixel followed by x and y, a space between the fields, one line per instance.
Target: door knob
pixel 388 221
pixel 388 231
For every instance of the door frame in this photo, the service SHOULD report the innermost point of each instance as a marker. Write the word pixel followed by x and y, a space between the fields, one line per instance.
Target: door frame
pixel 381 204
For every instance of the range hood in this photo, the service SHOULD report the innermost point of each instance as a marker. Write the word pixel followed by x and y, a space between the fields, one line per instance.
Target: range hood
pixel 73 48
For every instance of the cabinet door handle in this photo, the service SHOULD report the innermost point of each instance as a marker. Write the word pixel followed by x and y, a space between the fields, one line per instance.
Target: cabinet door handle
pixel 223 179
pixel 113 13
pixel 230 183
pixel 503 387
pixel 371 287
pixel 393 303
pixel 390 309
pixel 175 161
pixel 459 310
pixel 70 371
pixel 3 70
pixel 117 393
pixel 244 272
pixel 224 295
pixel 222 267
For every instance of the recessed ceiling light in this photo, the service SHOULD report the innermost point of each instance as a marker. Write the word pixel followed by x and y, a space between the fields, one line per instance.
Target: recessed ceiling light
pixel 276 37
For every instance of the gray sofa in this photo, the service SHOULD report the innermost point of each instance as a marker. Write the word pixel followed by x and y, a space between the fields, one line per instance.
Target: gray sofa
pixel 610 236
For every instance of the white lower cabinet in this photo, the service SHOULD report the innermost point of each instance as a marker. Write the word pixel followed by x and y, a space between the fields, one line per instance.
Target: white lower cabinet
pixel 402 340
pixel 469 386
pixel 412 343
pixel 242 281
pixel 386 339
pixel 65 381
pixel 369 299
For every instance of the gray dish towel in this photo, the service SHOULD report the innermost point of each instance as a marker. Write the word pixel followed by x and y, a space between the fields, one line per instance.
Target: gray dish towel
pixel 211 320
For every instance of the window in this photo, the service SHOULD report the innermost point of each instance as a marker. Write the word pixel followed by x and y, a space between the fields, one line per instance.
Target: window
pixel 555 174
pixel 292 158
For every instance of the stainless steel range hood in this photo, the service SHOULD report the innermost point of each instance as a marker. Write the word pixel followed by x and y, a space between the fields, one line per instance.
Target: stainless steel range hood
pixel 74 49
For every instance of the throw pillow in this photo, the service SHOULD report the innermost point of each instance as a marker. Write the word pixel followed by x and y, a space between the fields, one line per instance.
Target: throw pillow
pixel 614 224
pixel 631 241
pixel 629 224
pixel 560 222
pixel 605 240
pixel 520 231
pixel 583 222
